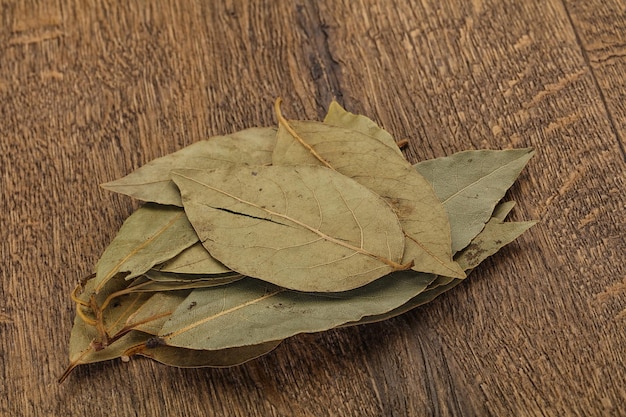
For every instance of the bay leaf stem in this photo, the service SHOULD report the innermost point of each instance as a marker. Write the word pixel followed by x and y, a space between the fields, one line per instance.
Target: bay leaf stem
pixel 292 132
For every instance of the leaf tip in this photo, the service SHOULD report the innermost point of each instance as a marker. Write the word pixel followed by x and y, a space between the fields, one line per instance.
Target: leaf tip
pixel 108 185
pixel 67 372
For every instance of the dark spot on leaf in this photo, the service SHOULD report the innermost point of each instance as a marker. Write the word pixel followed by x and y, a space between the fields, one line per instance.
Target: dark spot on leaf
pixel 191 305
pixel 254 173
pixel 98 345
pixel 281 306
pixel 154 342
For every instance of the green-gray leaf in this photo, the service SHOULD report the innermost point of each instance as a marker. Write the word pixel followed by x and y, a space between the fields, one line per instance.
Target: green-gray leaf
pixel 470 184
pixel 293 226
pixel 151 182
pixel 150 236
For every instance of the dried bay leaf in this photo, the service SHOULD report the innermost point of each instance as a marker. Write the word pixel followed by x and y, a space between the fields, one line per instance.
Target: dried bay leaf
pixel 143 344
pixel 151 182
pixel 385 172
pixel 255 312
pixel 470 184
pixel 293 226
pixel 492 173
pixel 150 236
pixel 499 213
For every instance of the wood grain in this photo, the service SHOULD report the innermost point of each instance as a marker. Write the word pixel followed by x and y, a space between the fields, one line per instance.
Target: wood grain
pixel 91 90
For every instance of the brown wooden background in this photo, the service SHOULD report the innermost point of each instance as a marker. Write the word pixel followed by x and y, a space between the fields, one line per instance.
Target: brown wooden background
pixel 90 90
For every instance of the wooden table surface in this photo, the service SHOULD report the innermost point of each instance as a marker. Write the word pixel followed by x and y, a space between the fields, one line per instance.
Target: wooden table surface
pixel 90 91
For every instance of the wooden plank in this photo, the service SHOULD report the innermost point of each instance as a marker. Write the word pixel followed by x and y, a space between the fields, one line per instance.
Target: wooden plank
pixel 600 32
pixel 90 92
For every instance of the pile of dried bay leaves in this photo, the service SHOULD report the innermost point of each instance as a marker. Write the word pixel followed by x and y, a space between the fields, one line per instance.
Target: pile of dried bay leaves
pixel 250 238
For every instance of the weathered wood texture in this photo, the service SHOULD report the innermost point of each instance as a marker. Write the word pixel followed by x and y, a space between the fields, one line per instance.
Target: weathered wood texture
pixel 91 90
